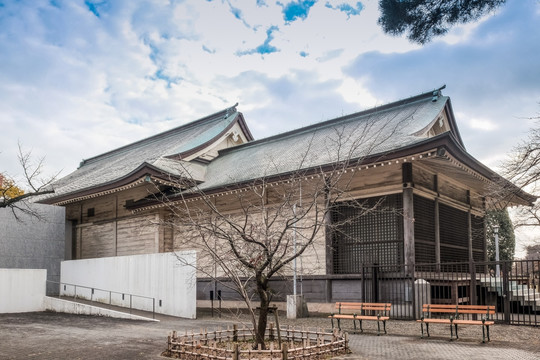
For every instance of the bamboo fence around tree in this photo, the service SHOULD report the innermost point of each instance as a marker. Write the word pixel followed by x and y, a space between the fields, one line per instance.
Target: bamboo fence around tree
pixel 225 344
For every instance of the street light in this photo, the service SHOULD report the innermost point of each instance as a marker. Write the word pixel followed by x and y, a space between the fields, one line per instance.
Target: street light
pixel 497 266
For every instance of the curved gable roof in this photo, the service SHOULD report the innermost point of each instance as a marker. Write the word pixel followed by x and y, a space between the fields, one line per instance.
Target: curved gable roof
pixel 371 133
pixel 151 154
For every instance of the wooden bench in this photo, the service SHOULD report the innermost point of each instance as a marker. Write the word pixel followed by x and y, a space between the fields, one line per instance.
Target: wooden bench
pixel 362 311
pixel 453 316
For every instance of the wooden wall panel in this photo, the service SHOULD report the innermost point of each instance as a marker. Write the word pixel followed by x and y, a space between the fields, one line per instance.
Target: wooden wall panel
pixel 97 241
pixel 137 235
pixel 104 209
pixel 423 178
pixel 452 190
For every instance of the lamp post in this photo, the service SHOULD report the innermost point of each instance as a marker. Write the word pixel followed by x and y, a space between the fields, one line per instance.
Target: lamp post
pixel 497 266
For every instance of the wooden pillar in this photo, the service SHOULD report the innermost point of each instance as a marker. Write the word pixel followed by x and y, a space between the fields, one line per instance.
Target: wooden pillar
pixel 156 233
pixel 469 235
pixel 408 226
pixel 437 234
pixel 436 219
pixel 408 214
pixel 116 225
pixel 484 207
pixel 469 227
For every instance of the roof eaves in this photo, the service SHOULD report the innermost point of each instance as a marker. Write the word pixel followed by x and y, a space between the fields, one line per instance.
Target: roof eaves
pixel 133 177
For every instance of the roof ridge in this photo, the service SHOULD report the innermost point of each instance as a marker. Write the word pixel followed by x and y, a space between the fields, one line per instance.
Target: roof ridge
pixel 224 114
pixel 433 95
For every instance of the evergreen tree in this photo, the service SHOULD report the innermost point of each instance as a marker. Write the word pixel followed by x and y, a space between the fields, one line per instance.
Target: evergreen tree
pixel 421 20
pixel 507 238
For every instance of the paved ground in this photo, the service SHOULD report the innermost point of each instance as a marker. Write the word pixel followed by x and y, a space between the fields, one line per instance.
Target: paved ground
pixel 63 336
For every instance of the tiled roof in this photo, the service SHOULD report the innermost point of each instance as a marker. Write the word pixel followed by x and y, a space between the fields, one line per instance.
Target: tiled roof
pixel 154 152
pixel 377 131
pixel 374 132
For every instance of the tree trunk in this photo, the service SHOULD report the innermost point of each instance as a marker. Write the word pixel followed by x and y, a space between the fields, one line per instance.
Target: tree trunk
pixel 262 290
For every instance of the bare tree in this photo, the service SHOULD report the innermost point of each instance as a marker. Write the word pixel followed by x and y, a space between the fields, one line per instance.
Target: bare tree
pixel 523 169
pixel 34 182
pixel 252 231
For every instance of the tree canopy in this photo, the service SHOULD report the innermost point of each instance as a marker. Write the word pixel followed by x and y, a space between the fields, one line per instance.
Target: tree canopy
pixel 8 189
pixel 422 20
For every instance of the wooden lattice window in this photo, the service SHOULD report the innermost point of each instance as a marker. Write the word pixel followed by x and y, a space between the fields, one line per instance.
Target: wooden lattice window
pixel 478 238
pixel 454 233
pixel 363 237
pixel 424 230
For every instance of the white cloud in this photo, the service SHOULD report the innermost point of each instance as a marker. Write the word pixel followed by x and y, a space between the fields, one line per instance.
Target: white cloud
pixel 479 123
pixel 73 85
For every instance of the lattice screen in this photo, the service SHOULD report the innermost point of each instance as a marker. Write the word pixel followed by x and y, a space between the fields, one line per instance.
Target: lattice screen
pixel 424 230
pixel 372 234
pixel 454 232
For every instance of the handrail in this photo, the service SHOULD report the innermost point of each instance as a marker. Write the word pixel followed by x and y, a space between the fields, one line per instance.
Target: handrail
pixel 110 295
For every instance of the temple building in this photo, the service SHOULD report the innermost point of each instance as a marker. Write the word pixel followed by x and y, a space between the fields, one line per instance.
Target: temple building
pixel 406 156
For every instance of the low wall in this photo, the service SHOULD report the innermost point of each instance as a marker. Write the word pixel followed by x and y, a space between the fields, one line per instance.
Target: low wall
pixel 166 277
pixel 22 290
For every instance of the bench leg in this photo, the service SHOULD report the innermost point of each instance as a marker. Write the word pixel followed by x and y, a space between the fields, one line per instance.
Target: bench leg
pixel 484 333
pixel 354 324
pixel 384 325
pixel 361 329
pixel 427 329
pixel 451 332
pixel 378 328
pixel 332 319
pixel 457 336
pixel 422 329
pixel 339 323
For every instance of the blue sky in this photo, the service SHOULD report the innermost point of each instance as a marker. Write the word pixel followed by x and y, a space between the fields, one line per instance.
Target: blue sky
pixel 78 78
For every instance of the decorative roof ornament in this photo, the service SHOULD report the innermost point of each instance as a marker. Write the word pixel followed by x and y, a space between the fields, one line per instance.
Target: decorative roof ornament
pixel 437 93
pixel 230 111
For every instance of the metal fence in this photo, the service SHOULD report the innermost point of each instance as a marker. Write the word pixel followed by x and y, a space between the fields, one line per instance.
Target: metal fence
pixel 513 287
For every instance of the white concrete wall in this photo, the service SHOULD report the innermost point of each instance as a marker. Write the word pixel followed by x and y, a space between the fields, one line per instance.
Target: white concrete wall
pixel 22 290
pixel 165 277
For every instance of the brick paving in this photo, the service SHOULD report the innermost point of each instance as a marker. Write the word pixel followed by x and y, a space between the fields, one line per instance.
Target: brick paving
pixel 64 336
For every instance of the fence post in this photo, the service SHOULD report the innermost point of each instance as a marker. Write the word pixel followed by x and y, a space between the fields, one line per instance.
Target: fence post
pixel 285 351
pixel 236 352
pixel 375 283
pixel 409 272
pixel 235 333
pixel 271 331
pixel 472 288
pixel 506 292
pixel 363 298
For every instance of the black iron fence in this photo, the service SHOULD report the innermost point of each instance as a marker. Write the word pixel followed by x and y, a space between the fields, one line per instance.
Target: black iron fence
pixel 513 287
